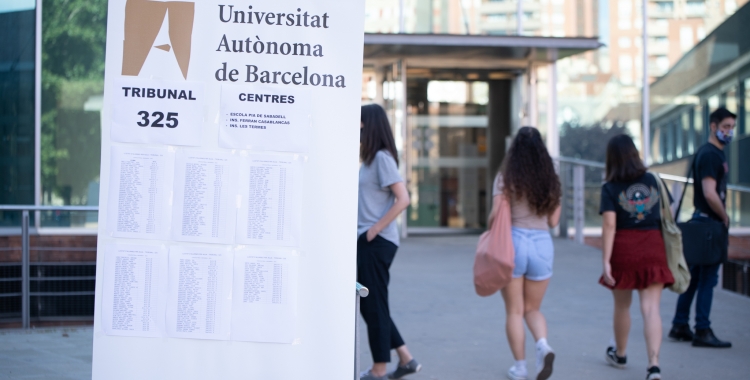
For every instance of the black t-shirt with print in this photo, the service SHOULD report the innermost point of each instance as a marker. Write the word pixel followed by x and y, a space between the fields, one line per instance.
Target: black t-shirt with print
pixel 710 161
pixel 636 203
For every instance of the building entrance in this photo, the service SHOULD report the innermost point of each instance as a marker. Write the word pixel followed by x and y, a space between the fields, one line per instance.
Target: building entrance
pixel 454 102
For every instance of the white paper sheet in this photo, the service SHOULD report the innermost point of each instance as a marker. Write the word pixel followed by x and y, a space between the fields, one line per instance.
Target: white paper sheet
pixel 158 112
pixel 135 286
pixel 264 306
pixel 271 187
pixel 205 202
pixel 265 118
pixel 200 292
pixel 140 191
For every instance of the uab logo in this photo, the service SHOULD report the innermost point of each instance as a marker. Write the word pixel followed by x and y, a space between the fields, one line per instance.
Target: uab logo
pixel 143 21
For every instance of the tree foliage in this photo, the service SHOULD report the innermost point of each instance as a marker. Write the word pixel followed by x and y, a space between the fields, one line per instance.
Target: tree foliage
pixel 73 50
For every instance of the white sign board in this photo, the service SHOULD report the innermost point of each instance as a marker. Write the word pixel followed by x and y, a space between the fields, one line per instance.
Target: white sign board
pixel 227 234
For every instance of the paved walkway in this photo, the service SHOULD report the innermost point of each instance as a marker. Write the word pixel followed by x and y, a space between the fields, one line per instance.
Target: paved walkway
pixel 49 354
pixel 458 335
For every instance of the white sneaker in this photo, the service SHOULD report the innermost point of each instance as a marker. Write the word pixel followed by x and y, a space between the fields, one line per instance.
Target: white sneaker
pixel 545 357
pixel 517 374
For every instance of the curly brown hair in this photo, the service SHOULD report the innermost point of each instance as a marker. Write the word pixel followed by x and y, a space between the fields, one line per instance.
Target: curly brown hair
pixel 528 172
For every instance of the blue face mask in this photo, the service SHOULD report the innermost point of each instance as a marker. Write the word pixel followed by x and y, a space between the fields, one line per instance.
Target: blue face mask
pixel 725 138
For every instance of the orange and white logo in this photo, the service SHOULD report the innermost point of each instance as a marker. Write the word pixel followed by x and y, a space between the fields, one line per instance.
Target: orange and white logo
pixel 143 22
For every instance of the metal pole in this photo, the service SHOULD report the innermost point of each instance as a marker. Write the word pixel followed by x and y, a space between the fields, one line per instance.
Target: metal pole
pixel 578 201
pixel 404 108
pixel 565 206
pixel 25 269
pixel 519 13
pixel 38 113
pixel 553 133
pixel 646 100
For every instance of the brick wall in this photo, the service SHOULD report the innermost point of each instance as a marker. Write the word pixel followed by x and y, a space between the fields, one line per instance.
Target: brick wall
pixel 50 248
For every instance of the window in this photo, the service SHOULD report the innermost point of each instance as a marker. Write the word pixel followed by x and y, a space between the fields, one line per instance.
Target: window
pixel 698 126
pixel 686 38
pixel 662 63
pixel 16 108
pixel 746 127
pixel 687 140
pixel 558 19
pixel 626 69
pixel 624 42
pixel 701 33
pixel 730 6
pixel 664 6
pixel 624 24
pixel 713 103
pixel 625 7
pixel 730 100
pixel 497 17
pixel 669 141
pixel 678 138
pixel 72 87
pixel 696 8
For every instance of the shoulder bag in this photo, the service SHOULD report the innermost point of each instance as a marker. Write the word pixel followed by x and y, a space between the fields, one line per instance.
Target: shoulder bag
pixel 494 260
pixel 672 242
pixel 705 240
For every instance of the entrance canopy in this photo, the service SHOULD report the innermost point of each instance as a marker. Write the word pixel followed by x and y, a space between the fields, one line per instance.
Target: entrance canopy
pixel 471 51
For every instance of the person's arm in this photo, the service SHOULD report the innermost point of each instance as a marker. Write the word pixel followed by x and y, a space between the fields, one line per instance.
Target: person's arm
pixel 401 203
pixel 713 199
pixel 554 218
pixel 609 227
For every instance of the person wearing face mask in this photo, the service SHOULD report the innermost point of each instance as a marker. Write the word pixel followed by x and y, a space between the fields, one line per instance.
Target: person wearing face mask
pixel 710 191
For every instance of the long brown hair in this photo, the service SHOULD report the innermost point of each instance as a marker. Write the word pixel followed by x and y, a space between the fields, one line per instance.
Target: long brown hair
pixel 623 161
pixel 376 134
pixel 528 172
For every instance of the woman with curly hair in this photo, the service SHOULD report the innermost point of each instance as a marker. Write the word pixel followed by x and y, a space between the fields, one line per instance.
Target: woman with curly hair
pixel 527 178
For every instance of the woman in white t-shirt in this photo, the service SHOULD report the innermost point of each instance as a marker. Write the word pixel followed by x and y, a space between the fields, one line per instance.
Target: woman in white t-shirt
pixel 527 178
pixel 382 198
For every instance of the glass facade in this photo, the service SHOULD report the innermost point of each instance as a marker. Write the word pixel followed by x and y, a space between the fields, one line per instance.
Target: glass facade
pixel 73 48
pixel 17 65
pixel 448 155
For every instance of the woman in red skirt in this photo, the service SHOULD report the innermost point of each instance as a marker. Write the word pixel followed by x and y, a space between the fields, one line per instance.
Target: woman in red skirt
pixel 634 257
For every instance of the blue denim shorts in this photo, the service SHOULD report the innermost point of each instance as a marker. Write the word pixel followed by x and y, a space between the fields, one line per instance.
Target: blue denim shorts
pixel 534 254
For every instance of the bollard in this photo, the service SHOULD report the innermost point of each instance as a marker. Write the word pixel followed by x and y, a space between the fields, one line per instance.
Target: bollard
pixel 25 270
pixel 361 291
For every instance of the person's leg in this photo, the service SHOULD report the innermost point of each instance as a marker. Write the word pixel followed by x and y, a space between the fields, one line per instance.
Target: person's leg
pixel 708 278
pixel 514 304
pixel 533 293
pixel 685 300
pixel 650 300
pixel 373 261
pixel 623 298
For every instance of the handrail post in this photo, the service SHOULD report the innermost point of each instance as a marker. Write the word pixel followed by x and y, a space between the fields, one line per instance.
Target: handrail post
pixel 25 270
pixel 579 205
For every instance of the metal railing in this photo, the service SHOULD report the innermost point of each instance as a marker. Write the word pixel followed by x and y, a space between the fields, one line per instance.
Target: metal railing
pixel 582 180
pixel 360 290
pixel 26 277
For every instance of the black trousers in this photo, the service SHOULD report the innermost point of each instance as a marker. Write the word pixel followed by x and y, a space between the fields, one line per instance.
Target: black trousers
pixel 373 262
